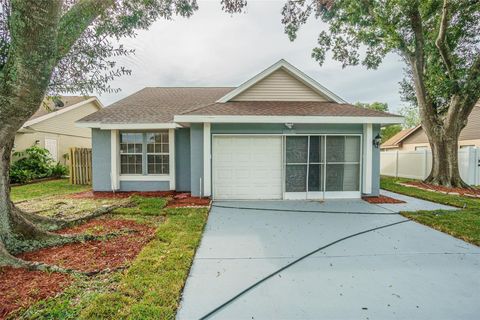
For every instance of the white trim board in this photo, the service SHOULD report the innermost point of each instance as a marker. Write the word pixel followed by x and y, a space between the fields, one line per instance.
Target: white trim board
pixel 289 68
pixel 63 110
pixel 207 160
pixel 127 126
pixel 287 119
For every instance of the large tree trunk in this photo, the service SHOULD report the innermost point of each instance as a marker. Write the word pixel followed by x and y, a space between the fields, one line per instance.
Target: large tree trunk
pixel 445 171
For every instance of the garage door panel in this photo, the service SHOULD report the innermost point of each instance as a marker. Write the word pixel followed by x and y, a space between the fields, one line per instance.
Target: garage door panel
pixel 247 167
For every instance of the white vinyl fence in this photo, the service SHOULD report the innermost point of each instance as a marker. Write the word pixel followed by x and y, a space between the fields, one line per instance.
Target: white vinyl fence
pixel 417 164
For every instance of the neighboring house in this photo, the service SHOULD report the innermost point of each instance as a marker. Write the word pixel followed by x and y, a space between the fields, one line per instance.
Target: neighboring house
pixel 53 126
pixel 415 138
pixel 279 135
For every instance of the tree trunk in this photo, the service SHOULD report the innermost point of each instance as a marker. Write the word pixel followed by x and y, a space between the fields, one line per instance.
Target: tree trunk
pixel 444 145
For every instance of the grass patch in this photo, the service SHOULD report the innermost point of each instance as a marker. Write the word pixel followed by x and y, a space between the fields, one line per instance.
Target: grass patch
pixel 463 224
pixel 45 189
pixel 151 287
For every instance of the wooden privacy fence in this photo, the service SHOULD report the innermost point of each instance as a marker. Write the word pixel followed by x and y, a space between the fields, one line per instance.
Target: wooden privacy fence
pixel 80 166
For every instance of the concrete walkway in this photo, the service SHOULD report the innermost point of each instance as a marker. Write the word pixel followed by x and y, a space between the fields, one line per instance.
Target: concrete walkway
pixel 406 271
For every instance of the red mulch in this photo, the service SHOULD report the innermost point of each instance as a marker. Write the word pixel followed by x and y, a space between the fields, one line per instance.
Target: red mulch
pixel 20 287
pixel 96 255
pixel 461 191
pixel 382 199
pixel 119 195
pixel 186 200
pixel 175 199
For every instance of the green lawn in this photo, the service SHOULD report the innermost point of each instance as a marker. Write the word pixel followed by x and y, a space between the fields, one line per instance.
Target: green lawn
pixel 151 287
pixel 45 189
pixel 463 224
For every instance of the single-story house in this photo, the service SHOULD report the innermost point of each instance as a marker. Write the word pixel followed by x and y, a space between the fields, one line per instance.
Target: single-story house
pixel 279 135
pixel 53 126
pixel 415 138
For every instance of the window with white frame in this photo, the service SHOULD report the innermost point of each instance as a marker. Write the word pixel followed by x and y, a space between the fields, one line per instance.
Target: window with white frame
pixel 144 153
pixel 131 153
pixel 158 153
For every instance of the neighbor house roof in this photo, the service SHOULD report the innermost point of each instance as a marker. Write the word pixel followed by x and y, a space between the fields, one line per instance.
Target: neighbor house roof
pixel 394 142
pixel 49 109
pixel 157 105
pixel 48 105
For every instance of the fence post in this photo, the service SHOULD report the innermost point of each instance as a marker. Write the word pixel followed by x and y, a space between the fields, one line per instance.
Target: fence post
pixel 396 163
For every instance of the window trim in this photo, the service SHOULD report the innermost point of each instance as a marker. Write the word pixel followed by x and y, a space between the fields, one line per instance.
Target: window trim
pixel 129 154
pixel 145 176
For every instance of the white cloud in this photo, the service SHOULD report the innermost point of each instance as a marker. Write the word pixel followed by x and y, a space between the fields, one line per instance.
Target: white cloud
pixel 213 48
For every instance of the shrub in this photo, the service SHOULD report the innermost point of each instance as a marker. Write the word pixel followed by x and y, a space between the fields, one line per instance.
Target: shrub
pixel 35 163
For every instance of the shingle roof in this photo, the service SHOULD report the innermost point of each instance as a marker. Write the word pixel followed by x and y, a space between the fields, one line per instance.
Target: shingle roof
pixel 48 105
pixel 157 105
pixel 393 142
pixel 287 108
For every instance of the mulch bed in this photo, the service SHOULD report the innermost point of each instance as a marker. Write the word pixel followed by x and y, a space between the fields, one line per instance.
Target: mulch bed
pixel 96 255
pixel 21 288
pixel 186 200
pixel 175 199
pixel 381 199
pixel 119 195
pixel 453 191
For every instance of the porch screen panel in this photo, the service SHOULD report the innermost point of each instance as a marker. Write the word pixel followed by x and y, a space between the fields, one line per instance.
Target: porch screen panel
pixel 316 163
pixel 296 164
pixel 343 163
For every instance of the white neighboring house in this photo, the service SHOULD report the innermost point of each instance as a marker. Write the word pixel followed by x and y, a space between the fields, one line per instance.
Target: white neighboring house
pixel 53 126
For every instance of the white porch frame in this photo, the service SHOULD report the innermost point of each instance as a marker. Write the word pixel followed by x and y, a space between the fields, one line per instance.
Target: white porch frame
pixel 368 154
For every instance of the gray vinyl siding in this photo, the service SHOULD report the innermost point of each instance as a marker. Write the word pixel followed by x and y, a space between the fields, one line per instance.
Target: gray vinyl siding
pixel 101 160
pixel 182 159
pixel 196 158
pixel 280 86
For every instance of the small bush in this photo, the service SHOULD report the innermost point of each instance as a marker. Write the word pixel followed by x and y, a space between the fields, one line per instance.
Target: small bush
pixel 35 163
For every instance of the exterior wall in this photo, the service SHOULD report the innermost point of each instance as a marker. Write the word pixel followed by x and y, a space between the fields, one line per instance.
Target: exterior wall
pixel 461 143
pixel 65 123
pixel 182 159
pixel 196 159
pixel 101 160
pixel 144 185
pixel 280 86
pixel 64 142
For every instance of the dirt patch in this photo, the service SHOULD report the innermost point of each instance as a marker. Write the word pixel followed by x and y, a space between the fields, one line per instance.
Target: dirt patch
pixel 97 255
pixel 20 287
pixel 452 191
pixel 186 200
pixel 381 199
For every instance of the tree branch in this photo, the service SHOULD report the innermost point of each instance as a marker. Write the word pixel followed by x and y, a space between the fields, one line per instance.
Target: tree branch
pixel 440 41
pixel 76 20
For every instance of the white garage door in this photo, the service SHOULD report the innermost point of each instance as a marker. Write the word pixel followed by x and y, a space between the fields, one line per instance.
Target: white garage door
pixel 247 167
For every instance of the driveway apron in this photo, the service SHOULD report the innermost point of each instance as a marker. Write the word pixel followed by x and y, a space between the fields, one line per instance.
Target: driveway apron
pixel 405 271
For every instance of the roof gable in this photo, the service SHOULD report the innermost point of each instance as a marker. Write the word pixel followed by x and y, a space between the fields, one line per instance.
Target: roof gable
pixel 281 82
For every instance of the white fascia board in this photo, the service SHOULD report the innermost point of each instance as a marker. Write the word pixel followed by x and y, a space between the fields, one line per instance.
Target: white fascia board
pixel 63 110
pixel 286 119
pixel 293 71
pixel 127 126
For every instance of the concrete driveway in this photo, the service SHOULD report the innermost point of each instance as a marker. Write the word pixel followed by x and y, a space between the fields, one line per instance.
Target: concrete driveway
pixel 405 271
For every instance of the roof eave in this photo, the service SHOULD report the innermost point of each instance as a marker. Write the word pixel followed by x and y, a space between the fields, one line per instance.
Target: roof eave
pixel 128 126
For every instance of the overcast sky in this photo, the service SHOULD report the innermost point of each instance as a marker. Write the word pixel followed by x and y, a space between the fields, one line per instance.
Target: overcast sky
pixel 213 48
